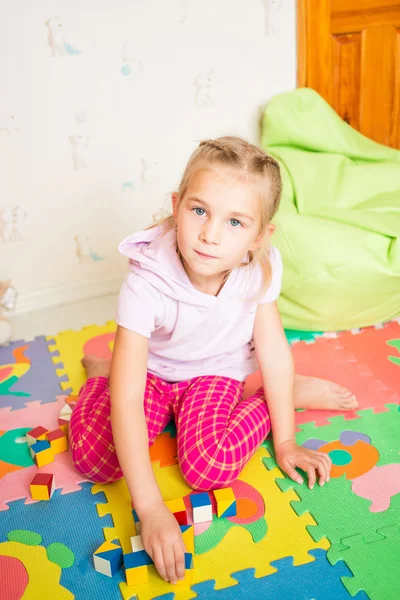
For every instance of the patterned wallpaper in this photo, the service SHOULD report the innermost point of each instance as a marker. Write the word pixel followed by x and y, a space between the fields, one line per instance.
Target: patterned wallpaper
pixel 101 104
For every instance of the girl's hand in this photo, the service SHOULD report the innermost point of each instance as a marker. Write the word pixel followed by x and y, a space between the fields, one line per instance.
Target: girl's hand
pixel 289 455
pixel 162 540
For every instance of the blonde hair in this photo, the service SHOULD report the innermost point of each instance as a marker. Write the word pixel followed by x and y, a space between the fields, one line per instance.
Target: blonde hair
pixel 248 162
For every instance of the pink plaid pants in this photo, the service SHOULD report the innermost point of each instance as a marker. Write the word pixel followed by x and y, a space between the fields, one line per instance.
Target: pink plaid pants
pixel 217 431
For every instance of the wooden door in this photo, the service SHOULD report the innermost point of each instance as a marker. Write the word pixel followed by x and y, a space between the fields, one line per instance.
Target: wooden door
pixel 349 52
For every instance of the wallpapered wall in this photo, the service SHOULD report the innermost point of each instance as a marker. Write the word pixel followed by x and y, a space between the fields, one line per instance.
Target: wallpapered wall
pixel 101 104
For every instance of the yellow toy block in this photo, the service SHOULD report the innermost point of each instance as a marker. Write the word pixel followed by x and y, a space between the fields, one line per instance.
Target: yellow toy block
pixel 175 506
pixel 42 486
pixel 189 571
pixel 178 509
pixel 106 546
pixel 188 579
pixel 63 426
pixel 45 457
pixel 188 537
pixel 226 502
pixel 58 441
pixel 137 575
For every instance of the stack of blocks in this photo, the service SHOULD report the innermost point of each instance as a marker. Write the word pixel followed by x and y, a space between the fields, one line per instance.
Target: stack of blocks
pixel 202 507
pixel 108 559
pixel 65 416
pixel 136 562
pixel 44 445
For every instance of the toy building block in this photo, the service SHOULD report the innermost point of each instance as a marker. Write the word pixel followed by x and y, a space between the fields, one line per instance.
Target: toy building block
pixel 42 486
pixel 178 509
pixel 188 537
pixel 136 543
pixel 42 453
pixel 137 522
pixel 202 507
pixel 58 441
pixel 33 436
pixel 108 559
pixel 63 425
pixel 66 411
pixel 136 565
pixel 226 502
pixel 189 571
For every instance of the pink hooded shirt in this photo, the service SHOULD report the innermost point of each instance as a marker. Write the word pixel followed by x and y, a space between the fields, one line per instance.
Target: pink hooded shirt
pixel 190 333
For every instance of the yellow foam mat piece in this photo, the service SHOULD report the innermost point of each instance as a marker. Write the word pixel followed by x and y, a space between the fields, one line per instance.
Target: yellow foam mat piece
pixel 72 345
pixel 286 536
pixel 44 575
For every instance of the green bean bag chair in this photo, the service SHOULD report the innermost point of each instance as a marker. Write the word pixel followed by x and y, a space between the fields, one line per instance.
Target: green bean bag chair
pixel 338 225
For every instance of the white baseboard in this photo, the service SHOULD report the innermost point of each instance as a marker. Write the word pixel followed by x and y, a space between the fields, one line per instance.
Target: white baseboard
pixel 66 294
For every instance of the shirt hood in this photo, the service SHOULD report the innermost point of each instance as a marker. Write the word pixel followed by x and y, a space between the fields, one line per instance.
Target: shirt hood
pixel 153 255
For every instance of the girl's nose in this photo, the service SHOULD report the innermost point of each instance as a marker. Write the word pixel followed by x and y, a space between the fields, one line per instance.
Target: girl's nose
pixel 210 234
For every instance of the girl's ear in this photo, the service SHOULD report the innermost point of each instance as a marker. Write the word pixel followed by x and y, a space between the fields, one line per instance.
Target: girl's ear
pixel 269 230
pixel 175 198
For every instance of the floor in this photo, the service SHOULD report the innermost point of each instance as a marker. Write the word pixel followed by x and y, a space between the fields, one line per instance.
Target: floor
pixel 50 321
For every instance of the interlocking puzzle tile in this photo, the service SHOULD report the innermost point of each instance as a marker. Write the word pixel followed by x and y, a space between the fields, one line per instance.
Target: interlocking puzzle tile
pixel 284 532
pixel 27 372
pixel 32 414
pixel 26 571
pixel 68 347
pixel 335 507
pixel 373 348
pixel 59 521
pixel 382 429
pixel 316 579
pixel 379 485
pixel 14 451
pixel 15 485
pixel 376 564
pixel 331 359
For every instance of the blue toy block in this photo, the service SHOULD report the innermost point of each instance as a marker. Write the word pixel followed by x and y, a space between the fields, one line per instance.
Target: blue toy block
pixel 137 559
pixel 230 511
pixel 40 446
pixel 198 500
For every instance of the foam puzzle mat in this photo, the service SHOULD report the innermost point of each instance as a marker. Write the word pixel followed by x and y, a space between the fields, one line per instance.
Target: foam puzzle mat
pixel 286 542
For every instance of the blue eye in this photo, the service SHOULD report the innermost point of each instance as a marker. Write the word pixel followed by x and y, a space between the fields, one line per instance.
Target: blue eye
pixel 235 223
pixel 199 211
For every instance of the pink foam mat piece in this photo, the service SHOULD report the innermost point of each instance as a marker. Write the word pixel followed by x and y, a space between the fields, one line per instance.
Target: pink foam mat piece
pixel 15 485
pixel 35 413
pixel 328 358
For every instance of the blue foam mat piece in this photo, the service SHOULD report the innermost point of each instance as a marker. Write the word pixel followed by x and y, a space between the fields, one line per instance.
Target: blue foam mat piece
pixel 70 519
pixel 313 581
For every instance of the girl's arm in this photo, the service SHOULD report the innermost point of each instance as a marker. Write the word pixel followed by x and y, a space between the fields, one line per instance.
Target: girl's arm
pixel 127 387
pixel 160 531
pixel 275 360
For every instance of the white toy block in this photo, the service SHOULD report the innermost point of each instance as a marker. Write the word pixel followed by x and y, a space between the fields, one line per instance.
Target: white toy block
pixel 202 507
pixel 136 543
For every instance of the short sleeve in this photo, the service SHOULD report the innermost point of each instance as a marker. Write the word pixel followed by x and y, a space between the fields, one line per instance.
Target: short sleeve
pixel 276 279
pixel 139 306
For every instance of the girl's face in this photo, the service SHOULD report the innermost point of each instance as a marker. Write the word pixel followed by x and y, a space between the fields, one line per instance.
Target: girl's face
pixel 218 222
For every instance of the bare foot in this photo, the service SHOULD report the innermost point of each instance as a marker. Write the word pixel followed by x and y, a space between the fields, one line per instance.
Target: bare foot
pixel 95 366
pixel 312 392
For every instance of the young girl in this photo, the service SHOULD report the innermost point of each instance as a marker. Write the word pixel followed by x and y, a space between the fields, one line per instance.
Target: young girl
pixel 196 315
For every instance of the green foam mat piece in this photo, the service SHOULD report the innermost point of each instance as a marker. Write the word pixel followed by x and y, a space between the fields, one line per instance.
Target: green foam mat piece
pixel 337 510
pixel 376 564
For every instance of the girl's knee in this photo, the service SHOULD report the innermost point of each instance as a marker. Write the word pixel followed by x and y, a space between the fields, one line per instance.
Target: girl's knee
pixel 83 463
pixel 210 482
